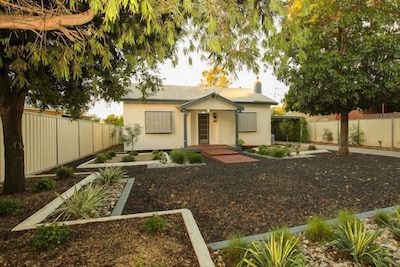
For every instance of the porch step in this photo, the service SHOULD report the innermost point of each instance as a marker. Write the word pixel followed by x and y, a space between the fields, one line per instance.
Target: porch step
pixel 218 152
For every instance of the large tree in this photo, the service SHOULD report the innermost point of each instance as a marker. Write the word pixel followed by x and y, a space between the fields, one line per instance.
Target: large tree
pixel 64 53
pixel 337 56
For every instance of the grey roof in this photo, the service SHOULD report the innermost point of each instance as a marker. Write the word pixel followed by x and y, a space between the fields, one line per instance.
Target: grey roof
pixel 175 93
pixel 212 95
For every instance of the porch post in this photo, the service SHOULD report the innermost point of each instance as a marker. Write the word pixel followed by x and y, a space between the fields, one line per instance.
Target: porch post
pixel 185 129
pixel 236 126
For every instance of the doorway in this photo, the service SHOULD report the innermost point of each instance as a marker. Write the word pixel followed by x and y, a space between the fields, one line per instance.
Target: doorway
pixel 204 129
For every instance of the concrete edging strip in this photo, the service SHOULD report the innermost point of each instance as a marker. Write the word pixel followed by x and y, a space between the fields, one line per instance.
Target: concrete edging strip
pixel 123 198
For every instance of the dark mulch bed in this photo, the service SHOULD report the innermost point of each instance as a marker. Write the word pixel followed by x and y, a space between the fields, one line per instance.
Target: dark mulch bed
pixel 251 198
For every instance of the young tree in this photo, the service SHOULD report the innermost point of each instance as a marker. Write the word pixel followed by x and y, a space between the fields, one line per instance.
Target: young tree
pixel 131 135
pixel 337 56
pixel 63 53
pixel 113 119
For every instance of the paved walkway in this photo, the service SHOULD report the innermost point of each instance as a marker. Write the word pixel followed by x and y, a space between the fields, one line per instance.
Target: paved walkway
pixel 377 152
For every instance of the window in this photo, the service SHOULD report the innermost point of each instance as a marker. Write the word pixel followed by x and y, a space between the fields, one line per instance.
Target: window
pixel 158 122
pixel 247 122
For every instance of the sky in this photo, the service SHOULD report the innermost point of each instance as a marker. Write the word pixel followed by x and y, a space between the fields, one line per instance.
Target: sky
pixel 185 74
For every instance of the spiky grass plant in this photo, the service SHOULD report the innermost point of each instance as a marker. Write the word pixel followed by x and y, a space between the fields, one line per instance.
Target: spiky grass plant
pixel 110 175
pixel 345 216
pixel 234 252
pixel 353 239
pixel 382 218
pixel 83 204
pixel 154 224
pixel 394 224
pixel 318 229
pixel 276 251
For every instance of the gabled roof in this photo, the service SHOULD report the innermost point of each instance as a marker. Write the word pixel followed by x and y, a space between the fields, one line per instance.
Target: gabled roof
pixel 213 96
pixel 183 94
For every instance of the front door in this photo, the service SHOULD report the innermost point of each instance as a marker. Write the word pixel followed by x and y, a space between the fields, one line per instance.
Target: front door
pixel 204 129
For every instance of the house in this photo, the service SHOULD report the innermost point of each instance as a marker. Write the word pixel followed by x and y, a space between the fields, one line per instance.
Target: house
pixel 184 116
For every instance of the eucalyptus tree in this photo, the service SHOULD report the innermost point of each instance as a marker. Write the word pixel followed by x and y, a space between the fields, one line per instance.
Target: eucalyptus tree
pixel 337 56
pixel 64 53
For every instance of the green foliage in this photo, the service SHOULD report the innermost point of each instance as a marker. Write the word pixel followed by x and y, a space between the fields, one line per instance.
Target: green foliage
pixel 101 158
pixel 276 251
pixel 296 147
pixel 178 156
pixel 193 157
pixel 110 175
pixel 327 136
pixel 380 142
pixel 128 158
pixel 382 218
pixel 65 172
pixel 294 130
pixel 111 153
pixel 318 229
pixel 8 206
pixel 131 134
pixel 312 147
pixel 133 153
pixel 279 152
pixel 286 127
pixel 345 216
pixel 154 224
pixel 115 120
pixel 391 221
pixel 251 150
pixel 43 184
pixel 356 136
pixel 235 250
pixel 48 237
pixel 240 142
pixel 353 239
pixel 83 204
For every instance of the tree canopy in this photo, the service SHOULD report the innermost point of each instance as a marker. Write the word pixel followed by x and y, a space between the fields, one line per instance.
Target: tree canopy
pixel 337 56
pixel 215 77
pixel 66 53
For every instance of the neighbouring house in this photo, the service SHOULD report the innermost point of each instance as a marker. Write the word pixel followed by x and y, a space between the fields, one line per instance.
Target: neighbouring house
pixel 184 116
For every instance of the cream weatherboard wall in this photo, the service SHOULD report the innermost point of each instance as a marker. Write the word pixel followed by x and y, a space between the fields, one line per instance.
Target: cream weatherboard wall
pixel 263 134
pixel 52 141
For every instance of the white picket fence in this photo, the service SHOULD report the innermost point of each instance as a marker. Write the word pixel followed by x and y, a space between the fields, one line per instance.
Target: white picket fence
pixel 384 130
pixel 52 141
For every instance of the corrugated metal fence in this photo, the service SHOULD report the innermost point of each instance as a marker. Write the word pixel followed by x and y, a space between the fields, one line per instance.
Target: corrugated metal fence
pixel 52 141
pixel 384 130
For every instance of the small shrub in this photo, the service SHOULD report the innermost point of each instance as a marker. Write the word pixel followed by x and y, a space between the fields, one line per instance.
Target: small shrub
pixel 277 251
pixel 65 172
pixel 251 150
pixel 178 156
pixel 101 158
pixel 312 147
pixel 48 237
pixel 382 218
pixel 154 224
pixel 133 153
pixel 235 250
pixel 318 229
pixel 194 158
pixel 83 204
pixel 8 206
pixel 296 147
pixel 157 155
pixel 353 239
pixel 278 152
pixel 43 184
pixel 345 216
pixel 394 224
pixel 356 136
pixel 380 143
pixel 110 175
pixel 128 158
pixel 111 153
pixel 327 136
pixel 240 142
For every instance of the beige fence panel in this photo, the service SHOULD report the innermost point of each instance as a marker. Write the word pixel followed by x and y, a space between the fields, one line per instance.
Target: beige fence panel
pixel 106 135
pixel 68 140
pixel 40 143
pixel 85 138
pixel 396 133
pixel 317 131
pixel 375 130
pixel 97 137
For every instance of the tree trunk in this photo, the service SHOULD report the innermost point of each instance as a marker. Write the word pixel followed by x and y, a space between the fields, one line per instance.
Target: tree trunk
pixel 12 102
pixel 344 135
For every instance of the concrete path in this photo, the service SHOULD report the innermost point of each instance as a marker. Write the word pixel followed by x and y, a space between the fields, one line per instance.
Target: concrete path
pixel 369 151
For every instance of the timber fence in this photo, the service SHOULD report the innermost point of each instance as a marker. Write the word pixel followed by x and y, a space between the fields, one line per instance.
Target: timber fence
pixel 51 141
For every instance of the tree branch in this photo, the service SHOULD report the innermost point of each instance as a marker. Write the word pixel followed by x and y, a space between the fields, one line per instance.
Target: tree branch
pixel 45 22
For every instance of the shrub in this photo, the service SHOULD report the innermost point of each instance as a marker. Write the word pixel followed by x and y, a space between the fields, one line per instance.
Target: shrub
pixel 345 216
pixel 101 158
pixel 327 136
pixel 392 223
pixel 312 147
pixel 251 150
pixel 318 229
pixel 193 157
pixel 133 153
pixel 65 172
pixel 353 239
pixel 178 156
pixel 154 224
pixel 234 252
pixel 128 158
pixel 48 237
pixel 8 206
pixel 296 147
pixel 43 184
pixel 85 203
pixel 111 153
pixel 382 218
pixel 278 152
pixel 356 136
pixel 156 155
pixel 277 251
pixel 110 175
